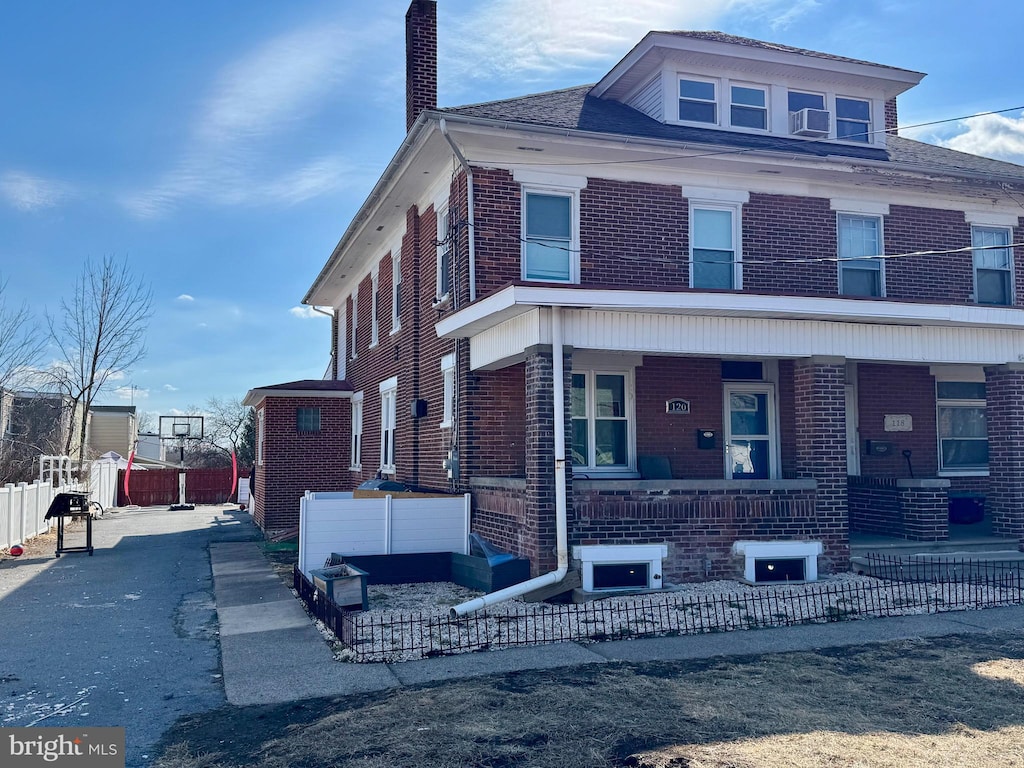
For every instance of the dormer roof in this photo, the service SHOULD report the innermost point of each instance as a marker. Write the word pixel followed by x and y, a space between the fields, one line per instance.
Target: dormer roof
pixel 763 60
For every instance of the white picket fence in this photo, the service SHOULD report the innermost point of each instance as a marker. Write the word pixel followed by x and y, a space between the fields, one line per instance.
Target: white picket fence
pixel 23 511
pixel 337 522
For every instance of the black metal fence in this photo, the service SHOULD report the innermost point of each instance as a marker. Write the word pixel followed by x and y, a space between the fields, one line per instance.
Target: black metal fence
pixel 373 637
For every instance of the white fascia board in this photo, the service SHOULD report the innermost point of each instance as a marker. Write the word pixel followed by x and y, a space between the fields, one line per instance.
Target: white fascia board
pixel 516 300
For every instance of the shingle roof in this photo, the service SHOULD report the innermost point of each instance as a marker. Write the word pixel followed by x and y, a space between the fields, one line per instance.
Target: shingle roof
pixel 576 109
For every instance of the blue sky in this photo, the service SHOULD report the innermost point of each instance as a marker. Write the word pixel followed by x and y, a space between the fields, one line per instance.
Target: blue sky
pixel 222 147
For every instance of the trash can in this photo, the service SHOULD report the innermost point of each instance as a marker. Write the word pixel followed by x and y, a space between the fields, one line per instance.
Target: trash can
pixel 966 507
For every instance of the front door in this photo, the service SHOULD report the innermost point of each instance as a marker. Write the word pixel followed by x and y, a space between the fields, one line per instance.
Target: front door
pixel 751 447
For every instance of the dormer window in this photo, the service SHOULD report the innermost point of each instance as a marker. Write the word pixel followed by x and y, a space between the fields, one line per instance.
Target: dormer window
pixel 697 101
pixel 853 119
pixel 749 108
pixel 801 100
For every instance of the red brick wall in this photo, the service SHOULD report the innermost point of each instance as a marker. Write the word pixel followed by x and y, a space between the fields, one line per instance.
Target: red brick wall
pixel 788 227
pixel 944 278
pixel 897 389
pixel 295 462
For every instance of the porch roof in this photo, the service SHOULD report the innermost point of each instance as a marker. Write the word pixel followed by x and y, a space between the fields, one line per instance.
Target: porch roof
pixel 301 388
pixel 518 299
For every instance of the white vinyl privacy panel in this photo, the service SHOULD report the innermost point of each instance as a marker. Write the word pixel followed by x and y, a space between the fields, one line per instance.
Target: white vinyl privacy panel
pixel 337 522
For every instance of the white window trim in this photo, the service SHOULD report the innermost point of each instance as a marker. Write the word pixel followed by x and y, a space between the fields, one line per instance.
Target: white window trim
pixel 443 213
pixel 629 470
pixel 396 284
pixel 388 399
pixel 342 333
pixel 573 193
pixel 871 122
pixel 260 435
pixel 969 374
pixel 355 321
pixel 736 210
pixel 728 86
pixel 881 248
pixel 374 322
pixel 717 101
pixel 356 448
pixel 1010 269
pixel 448 387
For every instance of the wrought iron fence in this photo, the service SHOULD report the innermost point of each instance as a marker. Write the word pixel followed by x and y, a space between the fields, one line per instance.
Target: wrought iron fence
pixel 373 637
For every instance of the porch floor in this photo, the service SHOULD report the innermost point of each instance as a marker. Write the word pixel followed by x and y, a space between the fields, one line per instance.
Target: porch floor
pixel 974 541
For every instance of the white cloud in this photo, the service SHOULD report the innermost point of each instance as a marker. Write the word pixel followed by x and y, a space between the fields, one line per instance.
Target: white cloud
pixel 263 95
pixel 131 393
pixel 116 376
pixel 306 313
pixel 170 388
pixel 30 193
pixel 996 136
pixel 533 38
pixel 186 297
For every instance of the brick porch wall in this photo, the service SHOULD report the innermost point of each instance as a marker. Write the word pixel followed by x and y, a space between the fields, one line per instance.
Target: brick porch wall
pixel 917 510
pixel 1004 387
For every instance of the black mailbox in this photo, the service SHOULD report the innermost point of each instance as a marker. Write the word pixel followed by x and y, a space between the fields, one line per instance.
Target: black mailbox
pixel 705 439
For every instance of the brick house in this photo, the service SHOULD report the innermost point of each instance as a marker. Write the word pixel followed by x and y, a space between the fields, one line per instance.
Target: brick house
pixel 754 312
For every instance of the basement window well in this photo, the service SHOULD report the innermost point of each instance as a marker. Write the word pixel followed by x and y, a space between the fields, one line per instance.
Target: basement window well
pixel 607 568
pixel 773 562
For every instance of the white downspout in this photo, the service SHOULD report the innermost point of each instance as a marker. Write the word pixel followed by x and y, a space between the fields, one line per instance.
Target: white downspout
pixel 561 496
pixel 470 205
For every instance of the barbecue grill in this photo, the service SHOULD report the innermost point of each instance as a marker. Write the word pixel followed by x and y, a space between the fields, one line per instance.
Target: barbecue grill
pixel 69 506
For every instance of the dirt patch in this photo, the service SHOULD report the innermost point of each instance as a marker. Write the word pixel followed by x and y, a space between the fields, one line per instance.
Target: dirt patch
pixel 909 703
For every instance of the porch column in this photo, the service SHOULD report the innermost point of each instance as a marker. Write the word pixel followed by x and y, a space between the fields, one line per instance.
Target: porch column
pixel 1004 412
pixel 539 536
pixel 819 385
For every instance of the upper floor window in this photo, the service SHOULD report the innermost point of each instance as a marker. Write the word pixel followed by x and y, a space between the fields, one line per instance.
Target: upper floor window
pixel 993 265
pixel 356 445
pixel 860 238
pixel 550 223
pixel 445 249
pixel 714 261
pixel 601 420
pixel 355 319
pixel 962 428
pixel 448 379
pixel 396 290
pixel 697 101
pixel 374 324
pixel 853 119
pixel 307 419
pixel 802 100
pixel 749 108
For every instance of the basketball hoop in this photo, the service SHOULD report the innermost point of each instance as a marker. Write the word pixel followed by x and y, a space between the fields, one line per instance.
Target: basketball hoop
pixel 178 429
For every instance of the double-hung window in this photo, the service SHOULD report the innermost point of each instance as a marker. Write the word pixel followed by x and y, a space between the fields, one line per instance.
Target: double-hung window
pixel 749 107
pixel 963 432
pixel 448 379
pixel 993 265
pixel 396 289
pixel 714 257
pixel 601 420
pixel 798 100
pixel 388 423
pixel 860 238
pixel 374 323
pixel 853 119
pixel 550 244
pixel 698 102
pixel 355 319
pixel 445 249
pixel 356 445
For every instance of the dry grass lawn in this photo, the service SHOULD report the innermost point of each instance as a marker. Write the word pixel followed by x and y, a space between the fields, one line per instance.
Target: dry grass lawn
pixel 955 701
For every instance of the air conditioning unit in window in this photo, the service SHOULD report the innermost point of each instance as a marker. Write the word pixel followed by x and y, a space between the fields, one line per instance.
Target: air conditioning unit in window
pixel 810 122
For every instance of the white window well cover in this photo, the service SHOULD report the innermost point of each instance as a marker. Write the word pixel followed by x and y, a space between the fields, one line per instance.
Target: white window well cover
pixel 606 554
pixel 752 551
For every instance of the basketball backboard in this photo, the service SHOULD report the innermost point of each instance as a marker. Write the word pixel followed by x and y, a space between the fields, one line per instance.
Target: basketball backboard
pixel 181 427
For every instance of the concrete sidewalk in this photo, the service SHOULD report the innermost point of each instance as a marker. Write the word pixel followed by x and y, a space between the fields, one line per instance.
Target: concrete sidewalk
pixel 272 653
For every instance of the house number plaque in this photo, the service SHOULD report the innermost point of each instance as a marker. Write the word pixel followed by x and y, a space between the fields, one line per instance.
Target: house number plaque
pixel 899 422
pixel 677 405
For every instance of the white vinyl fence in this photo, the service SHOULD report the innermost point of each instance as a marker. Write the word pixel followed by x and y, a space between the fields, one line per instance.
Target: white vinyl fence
pixel 23 511
pixel 103 483
pixel 337 522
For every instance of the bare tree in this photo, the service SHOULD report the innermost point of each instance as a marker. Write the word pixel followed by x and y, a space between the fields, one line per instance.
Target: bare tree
pixel 21 343
pixel 101 333
pixel 228 427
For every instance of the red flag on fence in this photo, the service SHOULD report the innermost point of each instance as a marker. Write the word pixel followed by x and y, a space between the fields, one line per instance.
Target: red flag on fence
pixel 234 474
pixel 127 472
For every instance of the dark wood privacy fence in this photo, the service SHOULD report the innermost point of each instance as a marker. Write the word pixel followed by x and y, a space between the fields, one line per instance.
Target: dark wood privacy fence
pixel 160 486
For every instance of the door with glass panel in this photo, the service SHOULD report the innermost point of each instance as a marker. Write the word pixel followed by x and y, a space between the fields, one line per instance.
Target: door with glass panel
pixel 750 433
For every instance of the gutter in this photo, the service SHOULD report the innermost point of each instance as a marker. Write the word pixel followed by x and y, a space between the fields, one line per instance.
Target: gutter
pixel 470 205
pixel 561 495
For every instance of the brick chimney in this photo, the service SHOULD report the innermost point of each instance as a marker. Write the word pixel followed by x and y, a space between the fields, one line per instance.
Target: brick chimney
pixel 420 59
